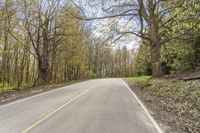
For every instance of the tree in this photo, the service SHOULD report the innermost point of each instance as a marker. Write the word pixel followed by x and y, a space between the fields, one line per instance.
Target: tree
pixel 154 18
pixel 40 23
pixel 8 15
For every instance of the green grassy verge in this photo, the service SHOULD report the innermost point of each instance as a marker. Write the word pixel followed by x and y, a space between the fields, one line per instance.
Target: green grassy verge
pixel 197 91
pixel 6 88
pixel 143 80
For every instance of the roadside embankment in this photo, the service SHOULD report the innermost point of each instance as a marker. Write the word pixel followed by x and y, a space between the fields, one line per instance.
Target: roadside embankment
pixel 176 103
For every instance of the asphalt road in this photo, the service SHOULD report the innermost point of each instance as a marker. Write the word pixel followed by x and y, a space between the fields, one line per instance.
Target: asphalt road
pixel 93 106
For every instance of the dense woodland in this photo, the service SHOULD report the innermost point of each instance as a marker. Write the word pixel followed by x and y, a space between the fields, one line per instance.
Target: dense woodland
pixel 50 41
pixel 41 42
pixel 178 33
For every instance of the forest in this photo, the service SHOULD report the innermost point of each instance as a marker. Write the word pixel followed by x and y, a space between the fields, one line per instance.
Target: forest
pixel 51 41
pixel 42 42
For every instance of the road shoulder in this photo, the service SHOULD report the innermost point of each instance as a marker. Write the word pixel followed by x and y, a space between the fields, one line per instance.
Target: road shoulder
pixel 14 95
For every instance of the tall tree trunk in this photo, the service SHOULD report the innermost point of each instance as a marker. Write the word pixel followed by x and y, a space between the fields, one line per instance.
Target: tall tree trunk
pixel 154 43
pixel 155 61
pixel 43 70
pixel 21 71
pixel 28 70
pixel 43 62
pixel 5 59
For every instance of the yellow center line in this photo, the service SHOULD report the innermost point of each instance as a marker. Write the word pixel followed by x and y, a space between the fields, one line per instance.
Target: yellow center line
pixel 52 113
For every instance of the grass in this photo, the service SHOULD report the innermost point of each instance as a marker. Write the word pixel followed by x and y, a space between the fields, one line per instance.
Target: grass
pixel 143 80
pixel 7 87
pixel 197 91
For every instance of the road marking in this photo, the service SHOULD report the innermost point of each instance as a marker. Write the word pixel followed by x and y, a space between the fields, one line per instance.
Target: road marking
pixel 52 113
pixel 144 108
pixel 39 94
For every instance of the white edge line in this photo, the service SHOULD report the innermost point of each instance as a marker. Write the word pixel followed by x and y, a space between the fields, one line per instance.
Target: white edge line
pixel 144 108
pixel 55 111
pixel 39 94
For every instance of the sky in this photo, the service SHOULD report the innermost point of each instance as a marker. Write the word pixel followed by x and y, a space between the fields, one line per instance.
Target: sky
pixel 104 28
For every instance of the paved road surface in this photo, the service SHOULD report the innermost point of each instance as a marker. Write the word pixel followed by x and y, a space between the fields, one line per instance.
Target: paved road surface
pixel 94 106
